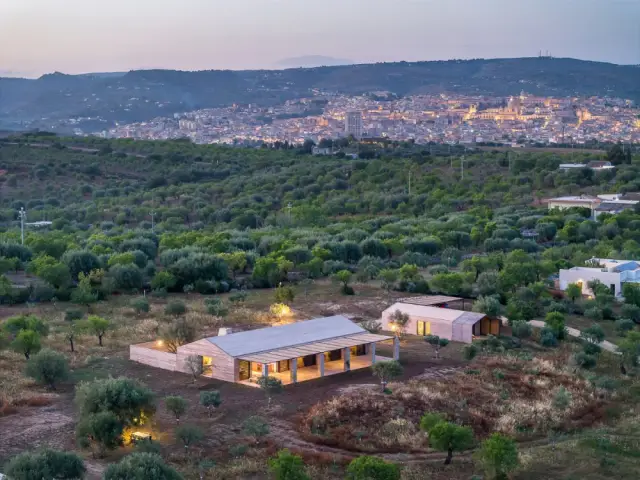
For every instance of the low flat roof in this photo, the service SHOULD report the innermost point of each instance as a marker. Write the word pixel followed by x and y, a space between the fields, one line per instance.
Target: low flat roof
pixel 284 336
pixel 314 348
pixel 428 300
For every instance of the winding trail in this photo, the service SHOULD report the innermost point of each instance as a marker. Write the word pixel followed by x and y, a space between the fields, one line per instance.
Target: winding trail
pixel 574 332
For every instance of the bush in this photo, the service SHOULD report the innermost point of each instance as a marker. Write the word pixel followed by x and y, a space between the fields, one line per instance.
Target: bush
pixel 141 466
pixel 521 329
pixel 286 466
pixel 48 367
pixel 140 305
pixel 594 313
pixel 561 399
pixel 624 325
pixel 372 468
pixel 498 455
pixel 160 293
pixel 631 312
pixel 470 351
pixel 73 314
pixel 175 308
pixel 45 464
pixel 548 338
pixel 584 360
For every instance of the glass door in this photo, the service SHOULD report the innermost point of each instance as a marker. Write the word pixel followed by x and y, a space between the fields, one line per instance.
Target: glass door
pixel 244 370
pixel 207 366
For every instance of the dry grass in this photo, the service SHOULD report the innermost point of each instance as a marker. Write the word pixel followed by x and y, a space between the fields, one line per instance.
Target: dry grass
pixel 500 394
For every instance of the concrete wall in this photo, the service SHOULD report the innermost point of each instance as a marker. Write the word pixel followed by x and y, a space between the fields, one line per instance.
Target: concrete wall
pixel 145 353
pixel 585 276
pixel 462 333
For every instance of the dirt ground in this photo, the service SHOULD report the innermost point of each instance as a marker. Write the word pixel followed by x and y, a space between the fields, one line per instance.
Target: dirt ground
pixel 53 425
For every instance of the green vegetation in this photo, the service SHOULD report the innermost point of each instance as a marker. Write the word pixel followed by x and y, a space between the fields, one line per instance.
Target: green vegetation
pixel 45 464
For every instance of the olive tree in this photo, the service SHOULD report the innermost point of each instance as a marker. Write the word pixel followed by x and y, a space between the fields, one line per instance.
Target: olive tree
pixel 48 367
pixel 499 455
pixel 386 371
pixel 437 343
pixel 176 405
pixel 210 400
pixel 398 322
pixel 446 436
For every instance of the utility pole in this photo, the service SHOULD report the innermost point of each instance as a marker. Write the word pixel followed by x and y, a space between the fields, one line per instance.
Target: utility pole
pixel 23 217
pixel 153 223
pixel 409 182
pixel 289 207
pixel 462 168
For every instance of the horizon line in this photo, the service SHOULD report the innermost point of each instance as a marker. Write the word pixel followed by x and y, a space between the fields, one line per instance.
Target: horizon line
pixel 25 76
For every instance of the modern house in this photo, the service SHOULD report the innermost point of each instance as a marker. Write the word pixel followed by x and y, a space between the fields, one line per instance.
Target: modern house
pixel 612 273
pixel 609 203
pixel 293 353
pixel 455 325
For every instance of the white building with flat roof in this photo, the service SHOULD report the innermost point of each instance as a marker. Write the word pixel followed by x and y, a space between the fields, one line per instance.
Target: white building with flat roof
pixel 612 273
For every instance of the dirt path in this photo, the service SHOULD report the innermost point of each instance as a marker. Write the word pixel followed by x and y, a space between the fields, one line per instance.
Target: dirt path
pixel 35 427
pixel 574 332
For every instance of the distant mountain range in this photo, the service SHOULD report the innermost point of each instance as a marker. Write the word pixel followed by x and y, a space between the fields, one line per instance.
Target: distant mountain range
pixel 97 101
pixel 311 61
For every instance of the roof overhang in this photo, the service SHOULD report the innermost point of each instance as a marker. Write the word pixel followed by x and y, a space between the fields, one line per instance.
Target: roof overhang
pixel 312 348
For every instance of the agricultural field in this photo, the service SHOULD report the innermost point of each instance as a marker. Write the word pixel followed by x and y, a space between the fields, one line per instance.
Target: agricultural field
pixel 169 242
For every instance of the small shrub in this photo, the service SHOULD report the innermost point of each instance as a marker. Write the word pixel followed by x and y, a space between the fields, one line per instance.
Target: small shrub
pixel 584 360
pixel 624 325
pixel 146 445
pixel 140 305
pixel 175 308
pixel 372 468
pixel 521 329
pixel 498 374
pixel 548 338
pixel 73 314
pixel 286 466
pixel 561 399
pixel 470 351
pixel 591 348
pixel 238 450
pixel 160 293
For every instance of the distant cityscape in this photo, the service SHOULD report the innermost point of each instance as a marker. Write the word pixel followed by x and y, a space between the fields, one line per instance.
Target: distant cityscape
pixel 522 119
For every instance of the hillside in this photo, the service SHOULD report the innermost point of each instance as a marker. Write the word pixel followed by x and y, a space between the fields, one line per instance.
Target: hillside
pixel 100 100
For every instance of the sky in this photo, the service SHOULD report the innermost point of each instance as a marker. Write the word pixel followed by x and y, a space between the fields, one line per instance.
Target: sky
pixel 79 36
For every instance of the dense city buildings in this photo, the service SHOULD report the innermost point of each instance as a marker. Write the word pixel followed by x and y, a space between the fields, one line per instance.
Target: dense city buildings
pixel 421 118
pixel 353 125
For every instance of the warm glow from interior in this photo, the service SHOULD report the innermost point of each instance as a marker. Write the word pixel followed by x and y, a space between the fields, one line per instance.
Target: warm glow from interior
pixel 159 343
pixel 280 310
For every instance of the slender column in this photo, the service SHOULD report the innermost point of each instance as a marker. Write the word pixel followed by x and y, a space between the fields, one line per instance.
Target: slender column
pixel 320 362
pixel 372 350
pixel 396 348
pixel 294 370
pixel 265 370
pixel 346 356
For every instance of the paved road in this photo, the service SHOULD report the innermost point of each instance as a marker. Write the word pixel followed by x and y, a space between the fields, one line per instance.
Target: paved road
pixel 606 345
